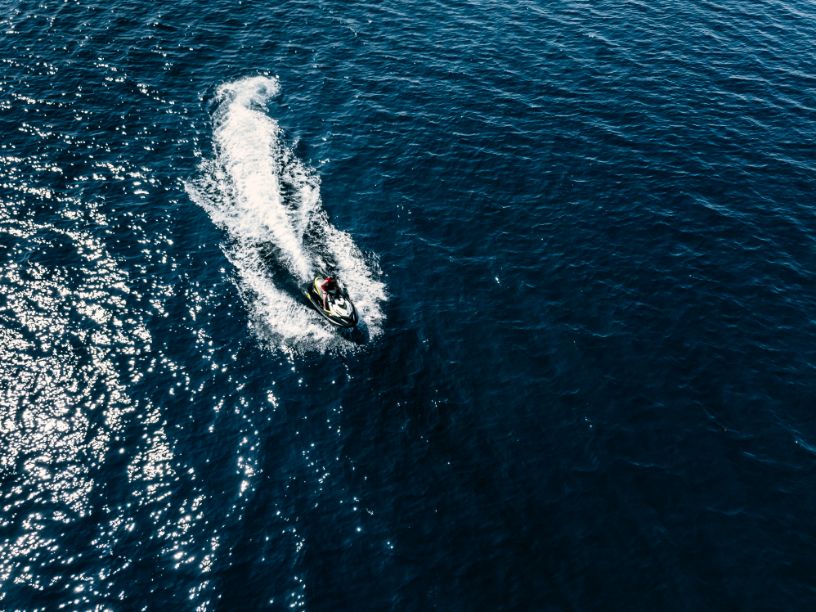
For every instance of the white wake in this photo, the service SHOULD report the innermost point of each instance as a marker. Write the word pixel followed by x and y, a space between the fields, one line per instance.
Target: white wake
pixel 279 235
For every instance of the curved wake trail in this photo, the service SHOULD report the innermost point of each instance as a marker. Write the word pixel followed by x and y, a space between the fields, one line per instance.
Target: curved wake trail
pixel 268 202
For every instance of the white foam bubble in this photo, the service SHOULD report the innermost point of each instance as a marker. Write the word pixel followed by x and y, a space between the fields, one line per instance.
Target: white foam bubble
pixel 279 235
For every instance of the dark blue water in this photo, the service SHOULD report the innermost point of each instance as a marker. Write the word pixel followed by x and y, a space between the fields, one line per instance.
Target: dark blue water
pixel 582 240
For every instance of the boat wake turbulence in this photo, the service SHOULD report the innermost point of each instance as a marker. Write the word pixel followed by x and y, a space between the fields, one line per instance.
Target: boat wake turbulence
pixel 278 234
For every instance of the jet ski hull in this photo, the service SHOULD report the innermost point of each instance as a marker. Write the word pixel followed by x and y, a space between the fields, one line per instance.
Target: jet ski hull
pixel 346 321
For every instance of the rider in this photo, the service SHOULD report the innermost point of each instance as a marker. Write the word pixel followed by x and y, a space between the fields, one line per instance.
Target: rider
pixel 329 285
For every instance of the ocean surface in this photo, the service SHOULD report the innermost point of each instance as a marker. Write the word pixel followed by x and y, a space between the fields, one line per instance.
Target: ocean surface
pixel 581 236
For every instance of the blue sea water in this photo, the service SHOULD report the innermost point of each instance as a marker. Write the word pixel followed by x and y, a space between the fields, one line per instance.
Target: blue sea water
pixel 582 240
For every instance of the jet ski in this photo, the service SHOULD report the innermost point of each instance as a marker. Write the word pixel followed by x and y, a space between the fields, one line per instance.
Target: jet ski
pixel 341 311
